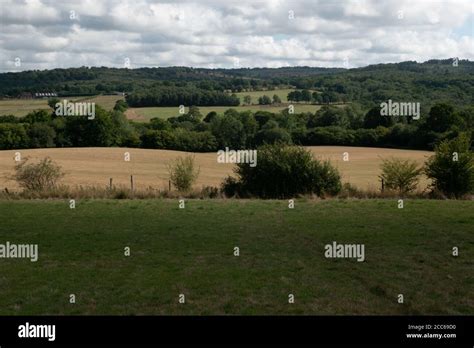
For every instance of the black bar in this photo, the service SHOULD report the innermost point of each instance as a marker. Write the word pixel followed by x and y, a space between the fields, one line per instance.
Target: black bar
pixel 237 329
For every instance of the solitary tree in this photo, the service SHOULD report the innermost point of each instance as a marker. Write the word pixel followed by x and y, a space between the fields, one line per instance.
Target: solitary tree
pixel 276 99
pixel 401 175
pixel 264 100
pixel 183 173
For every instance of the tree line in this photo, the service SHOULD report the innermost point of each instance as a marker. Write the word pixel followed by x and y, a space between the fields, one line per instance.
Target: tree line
pixel 176 96
pixel 192 131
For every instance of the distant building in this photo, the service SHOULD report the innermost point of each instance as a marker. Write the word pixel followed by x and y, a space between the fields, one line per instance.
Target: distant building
pixel 45 95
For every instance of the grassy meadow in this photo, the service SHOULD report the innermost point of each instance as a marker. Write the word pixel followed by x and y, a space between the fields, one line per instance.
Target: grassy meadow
pixel 190 251
pixel 21 107
pixel 94 166
pixel 282 93
pixel 146 113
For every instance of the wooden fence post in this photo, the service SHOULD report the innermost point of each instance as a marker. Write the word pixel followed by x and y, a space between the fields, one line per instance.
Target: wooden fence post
pixel 131 182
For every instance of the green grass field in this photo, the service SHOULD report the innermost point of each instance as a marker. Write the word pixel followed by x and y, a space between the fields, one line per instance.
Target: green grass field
pixel 190 251
pixel 21 107
pixel 164 112
pixel 282 93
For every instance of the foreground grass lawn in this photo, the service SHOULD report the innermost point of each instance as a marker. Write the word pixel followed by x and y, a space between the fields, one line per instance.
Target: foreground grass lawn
pixel 190 251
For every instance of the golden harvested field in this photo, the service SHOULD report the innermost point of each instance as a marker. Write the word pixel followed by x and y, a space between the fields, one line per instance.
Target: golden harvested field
pixel 363 167
pixel 94 166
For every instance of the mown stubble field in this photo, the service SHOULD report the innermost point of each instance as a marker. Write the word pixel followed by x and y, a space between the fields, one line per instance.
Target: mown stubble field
pixel 95 166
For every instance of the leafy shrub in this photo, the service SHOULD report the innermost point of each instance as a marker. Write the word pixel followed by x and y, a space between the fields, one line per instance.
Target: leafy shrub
pixel 37 116
pixel 52 102
pixel 130 139
pixel 370 137
pixel 9 119
pixel 40 176
pixel 349 190
pixel 228 131
pixel 374 119
pixel 194 141
pixel 153 139
pixel 41 135
pixel 330 116
pixel 120 105
pixel 209 192
pixel 441 117
pixel 402 135
pixel 450 176
pixel 284 171
pixel 159 124
pixel 401 175
pixel 264 100
pixel 272 136
pixel 329 136
pixel 98 132
pixel 13 136
pixel 183 173
pixel 231 187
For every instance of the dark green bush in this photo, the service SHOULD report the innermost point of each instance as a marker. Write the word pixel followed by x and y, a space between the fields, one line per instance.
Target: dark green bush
pixel 453 178
pixel 284 171
pixel 231 187
pixel 13 136
pixel 41 135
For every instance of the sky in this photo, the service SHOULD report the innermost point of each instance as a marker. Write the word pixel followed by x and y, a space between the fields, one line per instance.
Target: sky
pixel 48 34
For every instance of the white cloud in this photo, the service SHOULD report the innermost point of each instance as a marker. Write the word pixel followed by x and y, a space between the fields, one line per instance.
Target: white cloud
pixel 214 33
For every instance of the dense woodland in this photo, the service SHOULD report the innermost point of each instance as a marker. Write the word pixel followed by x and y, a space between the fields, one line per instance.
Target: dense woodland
pixel 429 82
pixel 445 92
pixel 175 96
